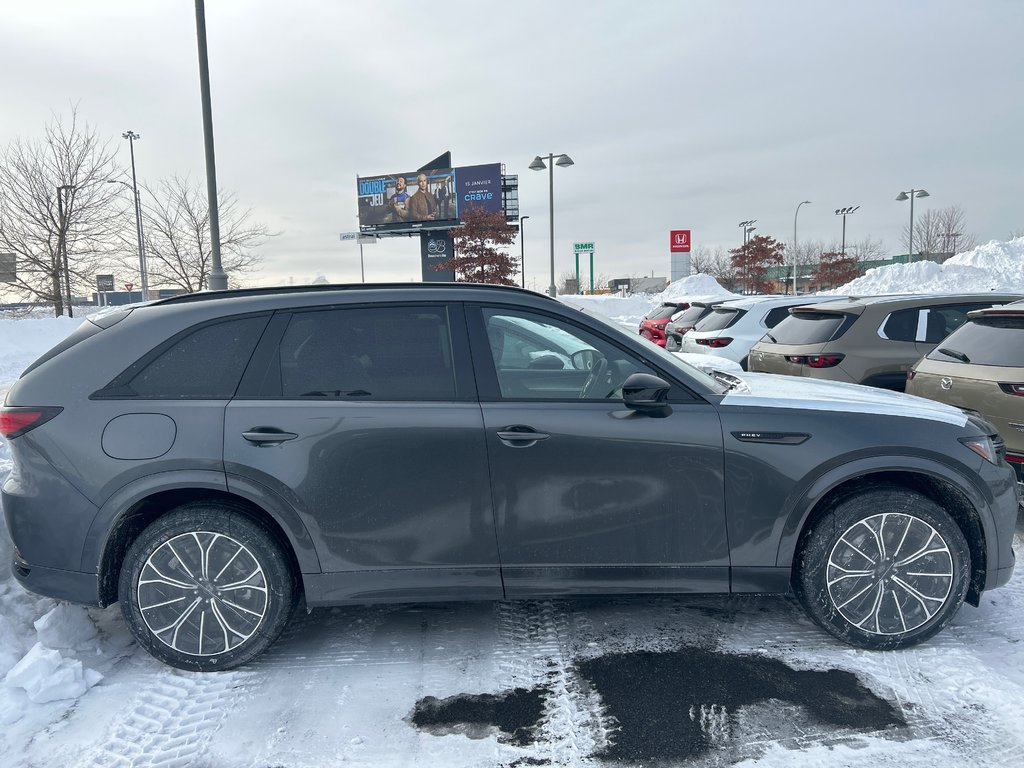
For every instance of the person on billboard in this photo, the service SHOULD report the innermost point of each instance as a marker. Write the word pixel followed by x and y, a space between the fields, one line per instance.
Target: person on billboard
pixel 398 203
pixel 443 197
pixel 421 204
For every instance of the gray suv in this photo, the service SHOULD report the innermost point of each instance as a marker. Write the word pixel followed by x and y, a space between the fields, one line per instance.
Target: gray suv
pixel 210 460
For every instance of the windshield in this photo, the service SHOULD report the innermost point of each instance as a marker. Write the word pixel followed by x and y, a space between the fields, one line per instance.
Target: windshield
pixel 718 319
pixel 985 341
pixel 662 312
pixel 807 328
pixel 691 316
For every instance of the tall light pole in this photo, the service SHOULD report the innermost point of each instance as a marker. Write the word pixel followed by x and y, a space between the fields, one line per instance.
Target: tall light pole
pixel 538 165
pixel 218 280
pixel 952 236
pixel 747 229
pixel 143 272
pixel 797 213
pixel 844 212
pixel 903 196
pixel 522 250
pixel 63 208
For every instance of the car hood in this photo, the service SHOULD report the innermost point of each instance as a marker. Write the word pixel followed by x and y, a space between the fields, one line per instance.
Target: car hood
pixel 775 391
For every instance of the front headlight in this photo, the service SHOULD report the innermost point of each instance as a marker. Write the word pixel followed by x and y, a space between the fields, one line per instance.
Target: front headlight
pixel 983 446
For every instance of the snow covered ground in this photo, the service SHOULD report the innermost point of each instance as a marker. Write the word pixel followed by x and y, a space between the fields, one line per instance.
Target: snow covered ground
pixel 695 680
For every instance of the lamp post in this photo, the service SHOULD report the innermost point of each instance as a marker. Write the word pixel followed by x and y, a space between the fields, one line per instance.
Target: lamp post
pixel 218 279
pixel 144 278
pixel 538 165
pixel 522 250
pixel 797 213
pixel 747 229
pixel 952 236
pixel 65 190
pixel 844 212
pixel 911 195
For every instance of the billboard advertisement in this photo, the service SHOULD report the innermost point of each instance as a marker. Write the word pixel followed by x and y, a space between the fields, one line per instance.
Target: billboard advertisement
pixel 434 199
pixel 407 201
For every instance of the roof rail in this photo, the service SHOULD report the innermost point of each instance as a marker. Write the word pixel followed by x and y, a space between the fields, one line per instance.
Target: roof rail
pixel 185 298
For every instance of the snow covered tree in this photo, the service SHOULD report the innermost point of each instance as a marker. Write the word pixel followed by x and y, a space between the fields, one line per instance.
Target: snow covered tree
pixel 752 261
pixel 835 269
pixel 477 256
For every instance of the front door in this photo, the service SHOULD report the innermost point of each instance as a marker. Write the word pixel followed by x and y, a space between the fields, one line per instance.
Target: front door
pixel 589 496
pixel 360 419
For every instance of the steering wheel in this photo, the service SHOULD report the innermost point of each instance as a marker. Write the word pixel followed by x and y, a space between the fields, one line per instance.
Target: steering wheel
pixel 594 379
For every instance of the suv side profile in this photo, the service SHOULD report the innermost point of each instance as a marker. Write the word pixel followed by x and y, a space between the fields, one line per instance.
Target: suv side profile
pixel 870 340
pixel 212 459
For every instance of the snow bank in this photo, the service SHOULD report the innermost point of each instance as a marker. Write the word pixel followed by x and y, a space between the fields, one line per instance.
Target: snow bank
pixel 995 266
pixel 694 287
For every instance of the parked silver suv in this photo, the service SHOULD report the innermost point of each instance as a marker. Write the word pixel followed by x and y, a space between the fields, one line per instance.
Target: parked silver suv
pixel 208 459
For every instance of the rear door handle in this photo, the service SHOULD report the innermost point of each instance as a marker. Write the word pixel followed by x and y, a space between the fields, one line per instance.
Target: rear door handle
pixel 267 435
pixel 520 437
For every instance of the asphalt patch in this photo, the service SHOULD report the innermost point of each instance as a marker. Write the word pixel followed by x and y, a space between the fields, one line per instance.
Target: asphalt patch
pixel 682 704
pixel 515 714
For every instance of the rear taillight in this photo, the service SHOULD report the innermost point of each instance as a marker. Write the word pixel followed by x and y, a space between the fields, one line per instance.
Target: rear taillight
pixel 1014 459
pixel 716 343
pixel 17 420
pixel 815 361
pixel 1013 389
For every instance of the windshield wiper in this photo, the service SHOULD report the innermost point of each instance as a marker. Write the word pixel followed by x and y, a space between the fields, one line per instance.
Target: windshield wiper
pixel 955 354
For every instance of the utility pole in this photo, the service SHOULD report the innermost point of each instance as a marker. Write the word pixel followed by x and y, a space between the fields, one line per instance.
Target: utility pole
pixel 62 240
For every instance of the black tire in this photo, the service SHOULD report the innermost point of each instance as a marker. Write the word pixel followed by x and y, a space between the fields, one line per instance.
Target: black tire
pixel 206 588
pixel 884 568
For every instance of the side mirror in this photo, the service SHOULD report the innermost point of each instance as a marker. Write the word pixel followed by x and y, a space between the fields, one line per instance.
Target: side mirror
pixel 585 359
pixel 647 394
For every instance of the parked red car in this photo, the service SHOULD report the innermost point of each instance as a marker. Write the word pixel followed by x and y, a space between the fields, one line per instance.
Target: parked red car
pixel 652 327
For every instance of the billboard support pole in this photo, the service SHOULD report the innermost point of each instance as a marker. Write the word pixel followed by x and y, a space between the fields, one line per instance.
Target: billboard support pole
pixel 577 270
pixel 591 273
pixel 362 271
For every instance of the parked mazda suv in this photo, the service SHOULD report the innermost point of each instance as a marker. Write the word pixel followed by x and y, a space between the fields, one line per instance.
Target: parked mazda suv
pixel 684 322
pixel 871 340
pixel 980 367
pixel 208 460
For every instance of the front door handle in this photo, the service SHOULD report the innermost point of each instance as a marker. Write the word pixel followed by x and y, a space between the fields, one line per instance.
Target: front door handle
pixel 520 437
pixel 267 435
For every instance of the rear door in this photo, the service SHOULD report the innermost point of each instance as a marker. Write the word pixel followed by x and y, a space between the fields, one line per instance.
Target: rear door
pixel 589 496
pixel 364 420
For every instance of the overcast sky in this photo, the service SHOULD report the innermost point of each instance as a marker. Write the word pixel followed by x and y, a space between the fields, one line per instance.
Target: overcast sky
pixel 677 114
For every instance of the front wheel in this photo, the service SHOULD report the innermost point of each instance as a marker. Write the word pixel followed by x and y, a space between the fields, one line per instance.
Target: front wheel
pixel 206 588
pixel 885 568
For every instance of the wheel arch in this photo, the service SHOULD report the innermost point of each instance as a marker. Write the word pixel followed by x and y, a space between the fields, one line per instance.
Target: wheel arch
pixel 128 512
pixel 955 494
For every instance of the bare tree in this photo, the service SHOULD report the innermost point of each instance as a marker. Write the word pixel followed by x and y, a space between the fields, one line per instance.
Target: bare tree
pixel 71 157
pixel 717 263
pixel 868 249
pixel 176 220
pixel 940 231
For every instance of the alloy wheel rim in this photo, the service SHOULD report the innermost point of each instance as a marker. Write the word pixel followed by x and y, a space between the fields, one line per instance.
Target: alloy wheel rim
pixel 889 574
pixel 202 593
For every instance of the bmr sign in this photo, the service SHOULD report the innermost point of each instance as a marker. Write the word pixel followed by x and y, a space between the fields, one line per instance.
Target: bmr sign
pixel 583 247
pixel 679 241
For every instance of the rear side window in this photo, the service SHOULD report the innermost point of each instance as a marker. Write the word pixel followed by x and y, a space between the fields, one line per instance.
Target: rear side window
pixel 776 316
pixel 811 328
pixel 901 325
pixel 204 363
pixel 719 319
pixel 368 353
pixel 986 341
pixel 943 320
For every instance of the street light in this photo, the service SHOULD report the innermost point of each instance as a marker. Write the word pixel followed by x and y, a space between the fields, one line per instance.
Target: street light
pixel 844 212
pixel 953 236
pixel 747 229
pixel 132 136
pixel 805 202
pixel 522 250
pixel 63 207
pixel 538 165
pixel 911 195
pixel 143 271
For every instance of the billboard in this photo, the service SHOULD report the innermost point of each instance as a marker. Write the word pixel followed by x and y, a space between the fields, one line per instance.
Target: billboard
pixel 433 199
pixel 407 201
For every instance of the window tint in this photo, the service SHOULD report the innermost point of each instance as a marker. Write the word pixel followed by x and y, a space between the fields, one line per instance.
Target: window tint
pixel 986 341
pixel 719 319
pixel 205 364
pixel 943 320
pixel 541 358
pixel 691 316
pixel 808 328
pixel 368 353
pixel 776 316
pixel 662 312
pixel 901 325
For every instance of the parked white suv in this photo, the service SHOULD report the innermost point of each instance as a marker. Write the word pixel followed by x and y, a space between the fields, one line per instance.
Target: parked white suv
pixel 733 327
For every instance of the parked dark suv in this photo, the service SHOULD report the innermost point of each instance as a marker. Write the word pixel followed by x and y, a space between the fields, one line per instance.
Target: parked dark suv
pixel 209 459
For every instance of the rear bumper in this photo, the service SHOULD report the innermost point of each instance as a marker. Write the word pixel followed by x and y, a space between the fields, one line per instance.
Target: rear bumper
pixel 73 586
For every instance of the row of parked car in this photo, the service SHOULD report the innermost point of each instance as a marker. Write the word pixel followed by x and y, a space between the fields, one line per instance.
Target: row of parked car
pixel 964 349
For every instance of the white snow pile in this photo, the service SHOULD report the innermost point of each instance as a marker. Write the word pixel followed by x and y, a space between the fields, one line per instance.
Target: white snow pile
pixel 995 266
pixel 628 311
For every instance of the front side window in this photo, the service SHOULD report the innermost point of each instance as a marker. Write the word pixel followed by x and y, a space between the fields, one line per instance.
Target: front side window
pixel 540 358
pixel 368 353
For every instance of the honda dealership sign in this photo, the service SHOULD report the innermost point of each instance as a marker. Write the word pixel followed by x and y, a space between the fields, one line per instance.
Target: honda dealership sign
pixel 679 254
pixel 679 241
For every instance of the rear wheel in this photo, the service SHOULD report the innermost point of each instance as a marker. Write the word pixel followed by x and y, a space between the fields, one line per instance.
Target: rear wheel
pixel 206 588
pixel 885 568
